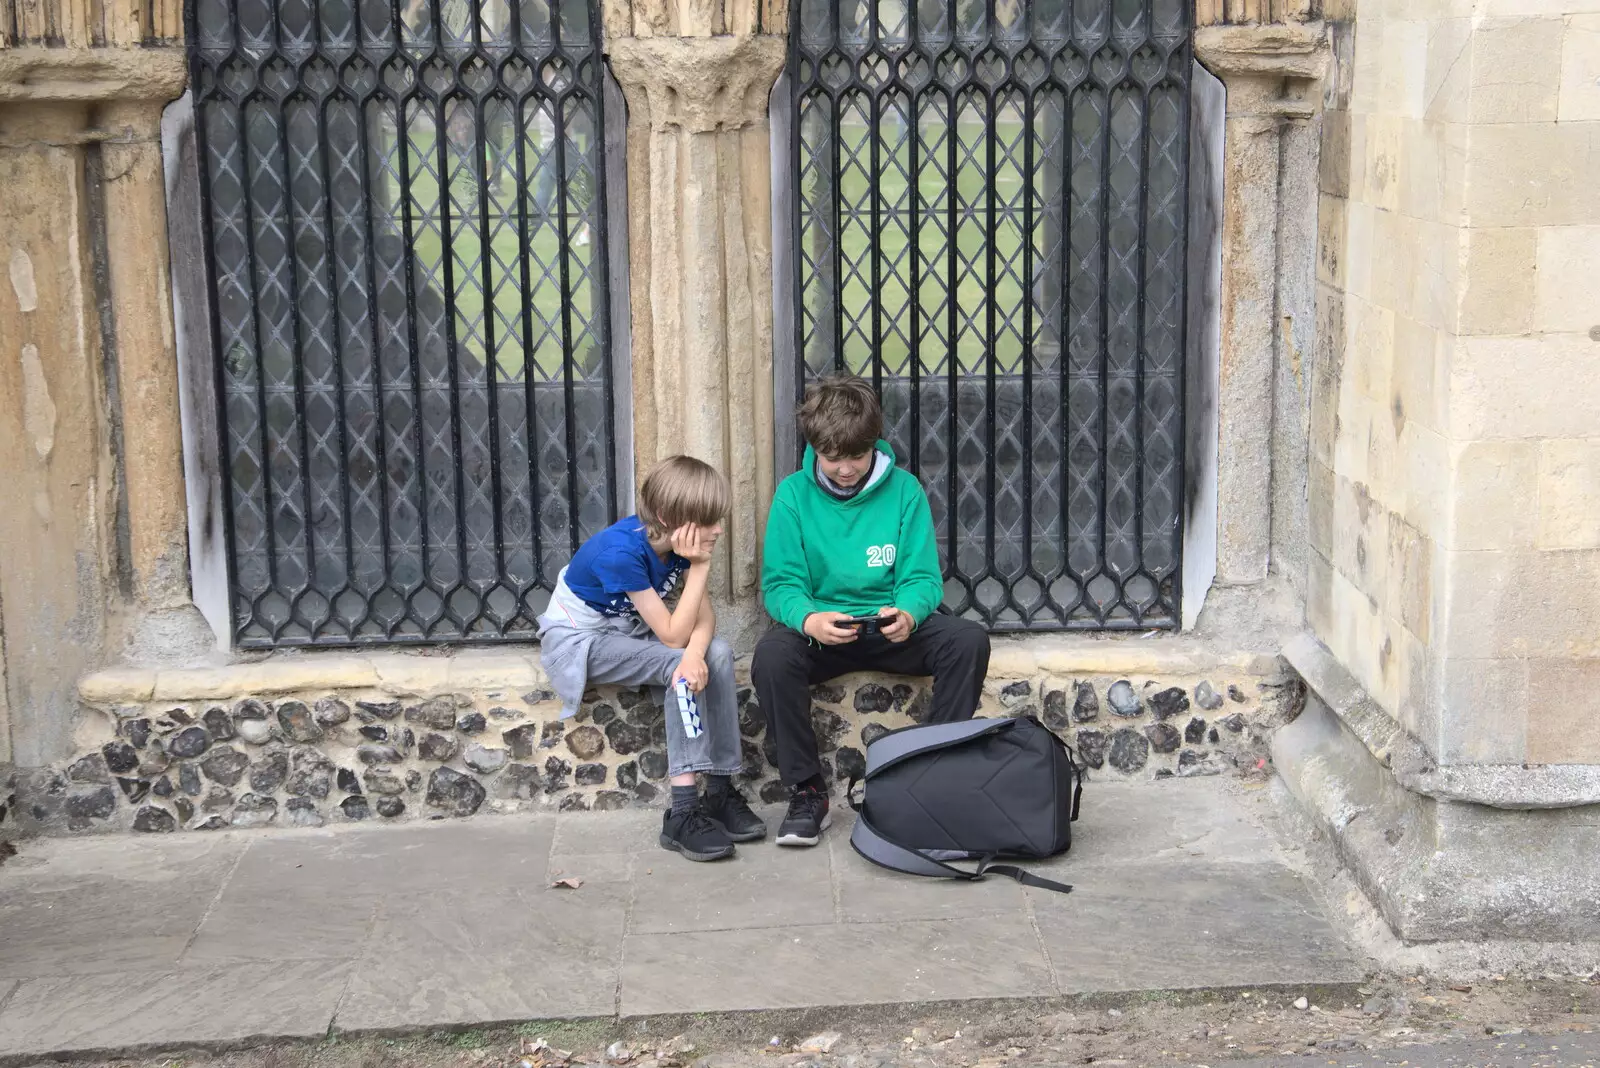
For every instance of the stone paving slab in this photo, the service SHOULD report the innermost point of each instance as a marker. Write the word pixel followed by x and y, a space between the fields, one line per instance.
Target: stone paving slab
pixel 137 1009
pixel 989 956
pixel 126 942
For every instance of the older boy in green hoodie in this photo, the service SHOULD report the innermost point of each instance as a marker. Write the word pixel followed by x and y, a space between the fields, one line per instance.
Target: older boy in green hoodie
pixel 850 535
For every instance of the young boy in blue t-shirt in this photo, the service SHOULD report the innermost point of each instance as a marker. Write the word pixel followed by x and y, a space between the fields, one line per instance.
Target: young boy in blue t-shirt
pixel 608 622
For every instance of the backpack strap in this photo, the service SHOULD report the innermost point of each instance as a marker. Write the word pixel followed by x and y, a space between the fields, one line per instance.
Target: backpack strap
pixel 887 853
pixel 908 742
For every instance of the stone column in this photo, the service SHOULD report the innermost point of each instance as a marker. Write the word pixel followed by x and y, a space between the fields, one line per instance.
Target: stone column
pixel 101 109
pixel 697 81
pixel 1272 74
pixel 166 623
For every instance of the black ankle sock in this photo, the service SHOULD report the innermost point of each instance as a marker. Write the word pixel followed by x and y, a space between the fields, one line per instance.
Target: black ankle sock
pixel 814 783
pixel 718 785
pixel 684 798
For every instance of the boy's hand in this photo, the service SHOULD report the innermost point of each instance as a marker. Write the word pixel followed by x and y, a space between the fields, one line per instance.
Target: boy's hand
pixel 896 624
pixel 820 625
pixel 692 669
pixel 694 543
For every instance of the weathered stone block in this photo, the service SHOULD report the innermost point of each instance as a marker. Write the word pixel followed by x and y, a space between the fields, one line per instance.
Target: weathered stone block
pixel 89 769
pixel 1499 281
pixel 1164 737
pixel 152 820
pixel 303 812
pixel 188 742
pixel 1055 710
pixel 98 804
pixel 331 712
pixel 120 757
pixel 586 742
pixel 297 722
pixel 556 771
pixel 370 711
pixel 224 764
pixel 438 713
pixel 355 807
pixel 653 764
pixel 269 772
pixel 218 724
pixel 872 697
pixel 1169 702
pixel 1124 700
pixel 254 810
pixel 454 793
pixel 1579 93
pixel 1516 69
pixel 436 747
pixel 484 760
pixel 1569 482
pixel 1563 719
pixel 1092 747
pixel 519 782
pixel 627 738
pixel 1130 750
pixel 522 741
pixel 384 784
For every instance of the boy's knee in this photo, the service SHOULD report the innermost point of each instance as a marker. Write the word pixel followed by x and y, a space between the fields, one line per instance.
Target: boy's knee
pixel 969 637
pixel 719 655
pixel 776 650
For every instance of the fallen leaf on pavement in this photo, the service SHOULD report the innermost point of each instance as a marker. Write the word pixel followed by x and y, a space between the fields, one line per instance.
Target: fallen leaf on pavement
pixel 571 882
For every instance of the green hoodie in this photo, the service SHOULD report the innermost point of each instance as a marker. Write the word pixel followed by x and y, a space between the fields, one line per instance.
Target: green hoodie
pixel 855 556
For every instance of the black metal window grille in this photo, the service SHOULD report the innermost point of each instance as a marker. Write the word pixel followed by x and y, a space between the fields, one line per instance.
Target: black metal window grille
pixel 990 201
pixel 404 211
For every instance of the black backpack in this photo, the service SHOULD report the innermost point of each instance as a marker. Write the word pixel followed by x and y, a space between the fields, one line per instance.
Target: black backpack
pixel 977 790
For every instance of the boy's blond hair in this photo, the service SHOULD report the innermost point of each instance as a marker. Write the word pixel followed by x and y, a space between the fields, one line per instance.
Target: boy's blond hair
pixel 841 417
pixel 680 490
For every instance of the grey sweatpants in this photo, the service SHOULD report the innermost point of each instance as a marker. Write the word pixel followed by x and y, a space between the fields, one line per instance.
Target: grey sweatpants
pixel 620 660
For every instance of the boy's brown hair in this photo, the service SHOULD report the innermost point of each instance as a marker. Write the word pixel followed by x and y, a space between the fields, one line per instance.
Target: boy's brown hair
pixel 680 490
pixel 841 417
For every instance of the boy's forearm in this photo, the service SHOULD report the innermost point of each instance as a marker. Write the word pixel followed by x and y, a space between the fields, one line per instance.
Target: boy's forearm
pixel 705 627
pixel 686 617
pixel 920 599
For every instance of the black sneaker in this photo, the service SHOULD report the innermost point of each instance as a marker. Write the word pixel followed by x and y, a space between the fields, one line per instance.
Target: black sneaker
pixel 731 812
pixel 694 835
pixel 806 819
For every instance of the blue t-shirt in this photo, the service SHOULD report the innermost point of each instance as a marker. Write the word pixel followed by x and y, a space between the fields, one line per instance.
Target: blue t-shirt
pixel 619 561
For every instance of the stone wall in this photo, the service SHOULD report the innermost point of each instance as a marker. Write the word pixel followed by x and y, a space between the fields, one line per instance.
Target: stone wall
pixel 1455 472
pixel 406 737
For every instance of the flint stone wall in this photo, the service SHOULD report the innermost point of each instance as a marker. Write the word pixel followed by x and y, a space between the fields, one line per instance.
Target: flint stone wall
pixel 318 756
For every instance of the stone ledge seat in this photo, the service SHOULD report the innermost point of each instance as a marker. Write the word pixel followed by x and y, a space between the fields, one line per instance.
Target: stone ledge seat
pixel 305 737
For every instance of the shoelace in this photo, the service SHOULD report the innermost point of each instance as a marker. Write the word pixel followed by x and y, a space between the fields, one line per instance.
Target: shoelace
pixel 806 803
pixel 736 803
pixel 699 821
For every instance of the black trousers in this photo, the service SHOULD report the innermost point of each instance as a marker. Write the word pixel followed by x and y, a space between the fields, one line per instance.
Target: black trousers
pixel 787 664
